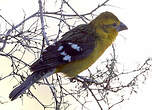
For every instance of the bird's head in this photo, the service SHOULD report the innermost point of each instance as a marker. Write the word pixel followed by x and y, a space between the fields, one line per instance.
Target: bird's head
pixel 108 23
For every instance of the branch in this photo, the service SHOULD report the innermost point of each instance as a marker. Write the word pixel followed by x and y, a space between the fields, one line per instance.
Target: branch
pixel 57 107
pixel 74 11
pixel 13 28
pixel 94 96
pixel 42 22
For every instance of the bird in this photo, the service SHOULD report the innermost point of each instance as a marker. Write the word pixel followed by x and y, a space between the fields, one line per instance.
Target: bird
pixel 75 52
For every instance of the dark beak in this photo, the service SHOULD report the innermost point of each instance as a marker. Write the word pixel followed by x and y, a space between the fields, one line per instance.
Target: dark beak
pixel 121 27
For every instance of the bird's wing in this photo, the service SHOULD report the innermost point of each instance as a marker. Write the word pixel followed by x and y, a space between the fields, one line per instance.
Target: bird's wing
pixel 76 44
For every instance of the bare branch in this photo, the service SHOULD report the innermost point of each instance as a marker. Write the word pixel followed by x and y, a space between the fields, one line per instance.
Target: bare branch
pixel 42 22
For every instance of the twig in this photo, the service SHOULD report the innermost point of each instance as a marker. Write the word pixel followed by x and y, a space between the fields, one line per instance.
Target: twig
pixel 94 96
pixel 57 107
pixel 103 4
pixel 74 11
pixel 117 103
pixel 13 28
pixel 42 22
pixel 11 56
pixel 36 98
pixel 87 80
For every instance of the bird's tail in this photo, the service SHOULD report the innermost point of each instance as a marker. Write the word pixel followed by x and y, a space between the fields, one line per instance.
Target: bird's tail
pixel 34 77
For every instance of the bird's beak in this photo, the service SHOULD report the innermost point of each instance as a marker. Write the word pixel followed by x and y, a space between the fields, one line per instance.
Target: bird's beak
pixel 121 27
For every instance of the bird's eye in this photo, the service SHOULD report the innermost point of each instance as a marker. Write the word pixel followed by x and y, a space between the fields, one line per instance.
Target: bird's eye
pixel 114 24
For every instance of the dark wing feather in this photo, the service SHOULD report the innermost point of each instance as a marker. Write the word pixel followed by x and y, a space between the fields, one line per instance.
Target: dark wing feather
pixel 51 57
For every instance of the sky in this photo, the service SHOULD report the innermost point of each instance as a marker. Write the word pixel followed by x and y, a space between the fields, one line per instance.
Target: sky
pixel 134 44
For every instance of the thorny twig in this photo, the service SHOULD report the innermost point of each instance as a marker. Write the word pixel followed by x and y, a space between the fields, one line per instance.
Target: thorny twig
pixel 42 22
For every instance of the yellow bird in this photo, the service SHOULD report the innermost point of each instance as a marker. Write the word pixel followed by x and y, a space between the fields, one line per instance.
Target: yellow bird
pixel 75 52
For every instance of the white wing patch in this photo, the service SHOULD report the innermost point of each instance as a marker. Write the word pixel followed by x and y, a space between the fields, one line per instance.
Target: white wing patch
pixel 75 46
pixel 60 48
pixel 66 57
pixel 63 53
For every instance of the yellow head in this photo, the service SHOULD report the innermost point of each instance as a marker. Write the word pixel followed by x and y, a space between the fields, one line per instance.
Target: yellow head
pixel 108 23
